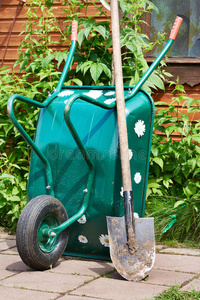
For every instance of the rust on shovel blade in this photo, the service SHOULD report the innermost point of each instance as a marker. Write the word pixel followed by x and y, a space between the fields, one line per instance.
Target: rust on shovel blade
pixel 136 264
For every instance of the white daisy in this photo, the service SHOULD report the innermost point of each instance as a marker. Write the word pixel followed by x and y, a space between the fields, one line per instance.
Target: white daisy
pixel 137 177
pixel 94 94
pixel 139 128
pixel 104 240
pixel 121 192
pixel 109 101
pixel 82 220
pixel 82 239
pixel 136 216
pixel 130 154
pixel 109 93
pixel 65 93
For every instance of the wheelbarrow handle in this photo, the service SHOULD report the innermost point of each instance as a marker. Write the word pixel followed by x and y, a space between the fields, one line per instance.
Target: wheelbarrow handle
pixel 69 57
pixel 170 42
pixel 175 28
pixel 74 30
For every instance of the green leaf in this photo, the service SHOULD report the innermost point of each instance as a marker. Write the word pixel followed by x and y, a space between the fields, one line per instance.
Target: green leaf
pixel 47 60
pixel 196 138
pixel 8 177
pixel 77 81
pixel 197 171
pixel 158 161
pixel 178 203
pixel 49 3
pixel 108 43
pixel 15 199
pixel 153 185
pixel 192 163
pixel 80 37
pixel 189 190
pixel 95 71
pixel 178 179
pixel 106 70
pixel 100 29
pixel 157 81
pixel 15 191
pixel 23 185
pixel 24 62
pixel 167 182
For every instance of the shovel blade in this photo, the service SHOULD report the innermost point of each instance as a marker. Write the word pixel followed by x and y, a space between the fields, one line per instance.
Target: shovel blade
pixel 136 266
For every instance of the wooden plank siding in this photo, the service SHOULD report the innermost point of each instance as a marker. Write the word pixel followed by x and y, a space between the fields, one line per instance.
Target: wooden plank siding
pixel 167 97
pixel 7 13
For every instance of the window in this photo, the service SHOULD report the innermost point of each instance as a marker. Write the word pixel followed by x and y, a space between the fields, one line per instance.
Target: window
pixel 184 56
pixel 188 39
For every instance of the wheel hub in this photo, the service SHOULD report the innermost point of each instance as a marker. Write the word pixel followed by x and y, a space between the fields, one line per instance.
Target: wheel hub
pixel 47 243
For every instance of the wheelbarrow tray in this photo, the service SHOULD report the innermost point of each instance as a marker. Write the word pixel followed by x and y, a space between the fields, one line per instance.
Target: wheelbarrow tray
pixel 97 129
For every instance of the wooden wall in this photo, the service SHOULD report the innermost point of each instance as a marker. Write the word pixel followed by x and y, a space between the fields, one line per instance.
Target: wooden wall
pixel 167 97
pixel 7 12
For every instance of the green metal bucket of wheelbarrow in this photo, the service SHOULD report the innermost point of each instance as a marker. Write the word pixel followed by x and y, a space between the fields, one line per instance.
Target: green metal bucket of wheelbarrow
pixel 75 173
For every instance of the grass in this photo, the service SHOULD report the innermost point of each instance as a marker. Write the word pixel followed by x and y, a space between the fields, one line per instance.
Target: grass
pixel 185 232
pixel 174 294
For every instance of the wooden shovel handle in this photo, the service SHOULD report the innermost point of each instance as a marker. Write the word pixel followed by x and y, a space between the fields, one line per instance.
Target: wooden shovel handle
pixel 119 88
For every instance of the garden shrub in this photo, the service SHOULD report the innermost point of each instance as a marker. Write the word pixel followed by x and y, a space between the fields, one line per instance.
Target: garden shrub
pixel 175 168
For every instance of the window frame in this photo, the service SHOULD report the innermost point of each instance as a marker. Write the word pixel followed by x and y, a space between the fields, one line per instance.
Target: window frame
pixel 177 66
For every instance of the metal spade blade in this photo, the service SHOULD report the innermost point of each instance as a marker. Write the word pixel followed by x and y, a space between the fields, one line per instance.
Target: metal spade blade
pixel 137 265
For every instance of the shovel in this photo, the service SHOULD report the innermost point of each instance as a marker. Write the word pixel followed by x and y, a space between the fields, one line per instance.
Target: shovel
pixel 132 242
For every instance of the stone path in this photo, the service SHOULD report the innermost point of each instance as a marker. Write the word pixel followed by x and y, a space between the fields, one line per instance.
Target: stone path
pixel 73 279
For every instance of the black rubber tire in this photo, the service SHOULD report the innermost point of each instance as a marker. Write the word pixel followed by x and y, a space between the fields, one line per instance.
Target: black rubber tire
pixel 26 235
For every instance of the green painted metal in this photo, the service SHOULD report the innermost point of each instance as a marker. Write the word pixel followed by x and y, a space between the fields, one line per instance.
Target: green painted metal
pixel 88 188
pixel 27 138
pixel 88 133
pixel 24 134
pixel 66 67
pixel 151 68
pixel 46 242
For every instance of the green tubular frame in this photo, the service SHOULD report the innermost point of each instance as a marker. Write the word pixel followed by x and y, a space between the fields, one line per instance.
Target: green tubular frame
pixel 24 134
pixel 49 184
pixel 79 143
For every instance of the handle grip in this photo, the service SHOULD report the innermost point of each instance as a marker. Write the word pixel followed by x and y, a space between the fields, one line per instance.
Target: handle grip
pixel 175 28
pixel 74 30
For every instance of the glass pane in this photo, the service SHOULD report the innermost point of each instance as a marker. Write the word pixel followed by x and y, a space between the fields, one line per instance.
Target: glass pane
pixel 187 43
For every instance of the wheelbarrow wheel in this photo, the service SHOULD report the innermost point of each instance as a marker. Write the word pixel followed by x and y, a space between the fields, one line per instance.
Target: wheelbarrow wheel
pixel 35 247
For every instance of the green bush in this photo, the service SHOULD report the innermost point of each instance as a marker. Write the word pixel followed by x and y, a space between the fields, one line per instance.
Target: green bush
pixel 175 169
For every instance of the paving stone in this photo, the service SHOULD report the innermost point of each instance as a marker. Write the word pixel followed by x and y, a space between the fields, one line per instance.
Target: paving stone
pixel 168 278
pixel 182 251
pixel 7 244
pixel 21 294
pixel 12 263
pixel 194 284
pixel 112 289
pixel 7 236
pixel 6 273
pixel 45 281
pixel 180 263
pixel 81 267
pixel 115 275
pixel 160 247
pixel 71 297
pixel 11 251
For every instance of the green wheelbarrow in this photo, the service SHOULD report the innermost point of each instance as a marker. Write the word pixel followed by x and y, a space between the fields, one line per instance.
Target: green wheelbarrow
pixel 75 177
